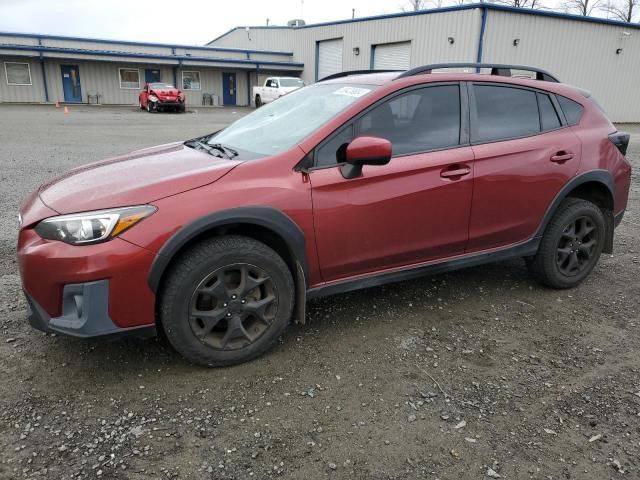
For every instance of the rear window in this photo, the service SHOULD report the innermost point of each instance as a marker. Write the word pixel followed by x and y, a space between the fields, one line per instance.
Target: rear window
pixel 505 112
pixel 572 110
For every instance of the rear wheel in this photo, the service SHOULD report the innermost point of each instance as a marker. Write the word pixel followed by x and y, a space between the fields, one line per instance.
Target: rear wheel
pixel 258 101
pixel 571 245
pixel 226 301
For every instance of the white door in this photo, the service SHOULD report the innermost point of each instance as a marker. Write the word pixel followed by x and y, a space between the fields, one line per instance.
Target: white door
pixel 392 56
pixel 329 57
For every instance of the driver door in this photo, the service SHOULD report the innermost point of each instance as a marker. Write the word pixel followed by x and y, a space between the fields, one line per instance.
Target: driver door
pixel 411 210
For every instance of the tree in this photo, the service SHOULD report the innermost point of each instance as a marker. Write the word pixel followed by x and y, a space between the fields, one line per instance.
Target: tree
pixel 533 4
pixel 582 7
pixel 624 10
pixel 415 5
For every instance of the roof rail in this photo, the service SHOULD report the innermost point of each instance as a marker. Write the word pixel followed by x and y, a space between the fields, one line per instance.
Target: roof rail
pixel 496 69
pixel 355 72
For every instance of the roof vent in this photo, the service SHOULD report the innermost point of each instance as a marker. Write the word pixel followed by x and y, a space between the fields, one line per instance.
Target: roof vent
pixel 298 22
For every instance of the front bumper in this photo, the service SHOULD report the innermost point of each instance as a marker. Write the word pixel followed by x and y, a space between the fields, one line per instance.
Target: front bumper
pixel 87 290
pixel 167 103
pixel 85 313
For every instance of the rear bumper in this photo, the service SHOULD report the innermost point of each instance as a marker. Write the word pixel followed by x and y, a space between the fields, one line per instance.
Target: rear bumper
pixel 85 313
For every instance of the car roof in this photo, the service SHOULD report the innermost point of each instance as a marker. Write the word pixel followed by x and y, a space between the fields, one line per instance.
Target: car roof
pixel 385 78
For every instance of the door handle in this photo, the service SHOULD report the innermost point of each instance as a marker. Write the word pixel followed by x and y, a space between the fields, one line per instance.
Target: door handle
pixel 561 157
pixel 455 172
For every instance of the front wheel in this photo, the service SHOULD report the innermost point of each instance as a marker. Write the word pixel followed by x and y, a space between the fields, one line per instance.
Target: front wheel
pixel 226 300
pixel 571 245
pixel 150 106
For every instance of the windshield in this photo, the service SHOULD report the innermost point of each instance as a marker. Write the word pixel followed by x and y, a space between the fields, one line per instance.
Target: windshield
pixel 283 123
pixel 291 82
pixel 160 85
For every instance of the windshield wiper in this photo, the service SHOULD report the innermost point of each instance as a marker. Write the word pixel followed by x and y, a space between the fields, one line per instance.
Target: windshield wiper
pixel 229 152
pixel 201 144
pixel 198 145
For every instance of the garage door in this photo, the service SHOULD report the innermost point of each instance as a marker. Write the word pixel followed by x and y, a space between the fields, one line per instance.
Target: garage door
pixel 392 56
pixel 329 57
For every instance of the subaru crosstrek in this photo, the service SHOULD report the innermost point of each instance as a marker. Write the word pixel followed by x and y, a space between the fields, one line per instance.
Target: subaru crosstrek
pixel 355 181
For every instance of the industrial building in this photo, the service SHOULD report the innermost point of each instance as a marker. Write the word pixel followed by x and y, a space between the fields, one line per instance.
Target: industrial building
pixel 46 68
pixel 600 55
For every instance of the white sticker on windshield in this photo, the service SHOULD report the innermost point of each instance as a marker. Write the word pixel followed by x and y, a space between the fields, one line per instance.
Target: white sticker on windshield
pixel 352 91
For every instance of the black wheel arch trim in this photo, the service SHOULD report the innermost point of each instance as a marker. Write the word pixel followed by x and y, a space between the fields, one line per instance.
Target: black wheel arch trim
pixel 599 176
pixel 267 217
pixel 602 177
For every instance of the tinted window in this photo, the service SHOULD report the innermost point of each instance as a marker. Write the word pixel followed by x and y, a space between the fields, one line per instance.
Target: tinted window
pixel 333 151
pixel 548 114
pixel 505 112
pixel 417 121
pixel 572 110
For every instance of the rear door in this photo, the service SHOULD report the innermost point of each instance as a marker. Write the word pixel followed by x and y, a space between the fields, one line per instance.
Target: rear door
pixel 412 210
pixel 524 154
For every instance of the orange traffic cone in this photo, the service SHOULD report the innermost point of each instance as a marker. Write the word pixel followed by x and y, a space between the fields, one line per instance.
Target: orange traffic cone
pixel 57 104
pixel 66 110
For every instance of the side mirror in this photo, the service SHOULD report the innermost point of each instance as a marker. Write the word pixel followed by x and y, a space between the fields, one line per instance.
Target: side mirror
pixel 365 151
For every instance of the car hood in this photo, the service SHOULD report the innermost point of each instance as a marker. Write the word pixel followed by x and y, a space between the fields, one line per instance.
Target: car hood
pixel 132 179
pixel 165 91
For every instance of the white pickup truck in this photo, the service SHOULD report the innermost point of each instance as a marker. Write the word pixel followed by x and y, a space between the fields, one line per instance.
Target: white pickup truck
pixel 275 87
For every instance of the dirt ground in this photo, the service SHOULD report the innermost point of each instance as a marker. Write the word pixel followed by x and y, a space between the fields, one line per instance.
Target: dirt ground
pixel 471 374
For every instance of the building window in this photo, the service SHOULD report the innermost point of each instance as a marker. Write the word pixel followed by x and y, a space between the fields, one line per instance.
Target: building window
pixel 191 80
pixel 17 73
pixel 129 78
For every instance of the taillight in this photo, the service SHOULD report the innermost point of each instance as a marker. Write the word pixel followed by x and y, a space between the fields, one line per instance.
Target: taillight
pixel 621 141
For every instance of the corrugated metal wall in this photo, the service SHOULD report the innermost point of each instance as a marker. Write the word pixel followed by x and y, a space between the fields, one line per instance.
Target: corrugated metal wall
pixel 580 53
pixel 22 93
pixel 428 35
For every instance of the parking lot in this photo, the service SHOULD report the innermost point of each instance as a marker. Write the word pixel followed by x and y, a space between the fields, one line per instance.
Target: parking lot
pixel 473 373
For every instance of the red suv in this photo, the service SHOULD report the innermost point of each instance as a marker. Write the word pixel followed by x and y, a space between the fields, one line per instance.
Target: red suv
pixel 355 181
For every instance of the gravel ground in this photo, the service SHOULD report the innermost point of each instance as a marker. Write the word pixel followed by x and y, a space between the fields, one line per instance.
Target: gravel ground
pixel 475 374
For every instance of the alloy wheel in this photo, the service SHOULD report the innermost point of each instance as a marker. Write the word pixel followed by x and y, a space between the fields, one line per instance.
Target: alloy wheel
pixel 233 306
pixel 577 247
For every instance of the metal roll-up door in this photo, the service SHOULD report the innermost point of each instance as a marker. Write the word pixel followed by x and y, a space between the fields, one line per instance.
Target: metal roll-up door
pixel 329 57
pixel 392 56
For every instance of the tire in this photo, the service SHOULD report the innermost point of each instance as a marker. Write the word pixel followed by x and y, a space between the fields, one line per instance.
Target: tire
pixel 258 101
pixel 563 259
pixel 150 106
pixel 213 317
pixel 182 108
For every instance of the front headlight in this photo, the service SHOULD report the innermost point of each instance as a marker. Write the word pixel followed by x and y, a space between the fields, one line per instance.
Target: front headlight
pixel 153 98
pixel 92 227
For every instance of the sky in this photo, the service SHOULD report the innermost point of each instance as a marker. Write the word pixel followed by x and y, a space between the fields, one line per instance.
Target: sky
pixel 194 22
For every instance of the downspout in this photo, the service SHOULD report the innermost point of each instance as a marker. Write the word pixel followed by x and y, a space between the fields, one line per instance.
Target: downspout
pixel 44 74
pixel 483 26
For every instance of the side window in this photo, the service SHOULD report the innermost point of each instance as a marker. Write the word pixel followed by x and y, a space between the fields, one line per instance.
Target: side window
pixel 572 110
pixel 270 83
pixel 417 121
pixel 504 112
pixel 333 151
pixel 548 115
